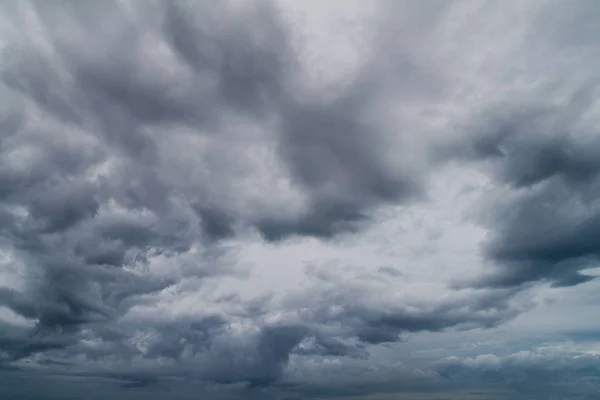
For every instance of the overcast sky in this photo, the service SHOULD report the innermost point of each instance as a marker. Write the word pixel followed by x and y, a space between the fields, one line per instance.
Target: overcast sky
pixel 286 200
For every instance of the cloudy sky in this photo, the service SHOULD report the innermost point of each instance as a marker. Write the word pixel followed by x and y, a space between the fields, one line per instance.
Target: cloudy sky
pixel 286 200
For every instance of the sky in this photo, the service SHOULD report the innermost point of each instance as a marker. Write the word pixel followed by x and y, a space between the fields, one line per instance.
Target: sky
pixel 295 200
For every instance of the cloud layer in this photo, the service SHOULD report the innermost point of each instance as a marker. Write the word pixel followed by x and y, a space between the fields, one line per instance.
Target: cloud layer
pixel 261 199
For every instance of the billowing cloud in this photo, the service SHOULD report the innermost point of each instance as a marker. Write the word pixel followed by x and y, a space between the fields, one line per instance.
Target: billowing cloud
pixel 256 199
pixel 543 224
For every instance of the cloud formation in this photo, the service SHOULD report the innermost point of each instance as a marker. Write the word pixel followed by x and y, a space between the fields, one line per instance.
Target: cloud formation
pixel 256 199
pixel 565 376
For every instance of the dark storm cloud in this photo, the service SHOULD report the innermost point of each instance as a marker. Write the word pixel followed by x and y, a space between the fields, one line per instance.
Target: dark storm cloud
pixel 272 351
pixel 17 302
pixel 204 350
pixel 546 225
pixel 130 138
pixel 544 151
pixel 89 191
pixel 332 151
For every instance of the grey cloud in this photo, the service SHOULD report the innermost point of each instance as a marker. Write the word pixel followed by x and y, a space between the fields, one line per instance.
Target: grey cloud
pixel 351 311
pixel 545 228
pixel 133 139
pixel 18 343
pixel 540 148
pixel 98 190
pixel 204 350
pixel 529 375
pixel 17 302
pixel 542 151
pixel 323 344
pixel 332 151
pixel 173 339
pixel 386 325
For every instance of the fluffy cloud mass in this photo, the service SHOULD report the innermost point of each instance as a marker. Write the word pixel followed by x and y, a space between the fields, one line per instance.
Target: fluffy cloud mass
pixel 299 200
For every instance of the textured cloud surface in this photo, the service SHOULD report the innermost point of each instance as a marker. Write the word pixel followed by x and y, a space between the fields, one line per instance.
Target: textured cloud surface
pixel 298 200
